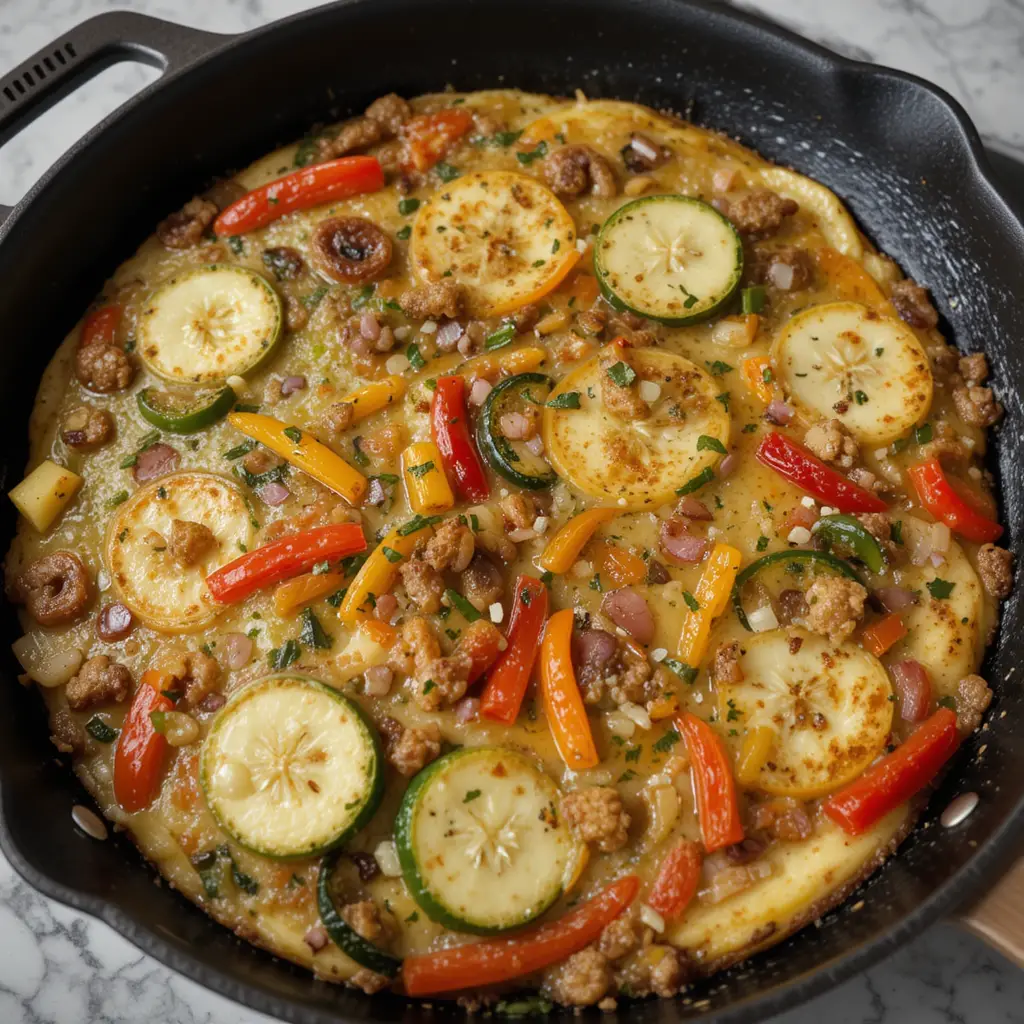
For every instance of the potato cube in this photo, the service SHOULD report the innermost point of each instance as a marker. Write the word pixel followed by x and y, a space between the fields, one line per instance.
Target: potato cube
pixel 42 495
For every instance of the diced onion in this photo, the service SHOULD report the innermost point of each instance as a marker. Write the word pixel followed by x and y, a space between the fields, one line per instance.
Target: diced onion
pixel 48 665
pixel 637 714
pixel 540 524
pixel 652 918
pixel 762 619
pixel 397 363
pixel 386 856
pixel 619 725
pixel 518 536
pixel 649 391
pixel 496 612
pixel 659 654
pixel 731 333
pixel 807 501
pixel 799 535
pixel 781 275
pixel 428 327
pixel 941 538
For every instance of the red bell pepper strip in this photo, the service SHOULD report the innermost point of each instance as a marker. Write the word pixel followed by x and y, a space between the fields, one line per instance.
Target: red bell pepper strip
pixel 100 326
pixel 713 785
pixel 427 137
pixel 450 426
pixel 141 750
pixel 938 496
pixel 496 960
pixel 897 777
pixel 806 470
pixel 510 674
pixel 284 558
pixel 676 884
pixel 310 186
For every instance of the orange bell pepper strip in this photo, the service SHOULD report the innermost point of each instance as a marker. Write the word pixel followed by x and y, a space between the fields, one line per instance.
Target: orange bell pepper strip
pixel 509 677
pixel 620 565
pixel 850 281
pixel 584 289
pixel 373 397
pixel 100 326
pixel 712 595
pixel 428 137
pixel 141 751
pixel 677 880
pixel 490 365
pixel 281 559
pixel 897 777
pixel 290 596
pixel 305 452
pixel 563 549
pixel 563 703
pixel 497 960
pixel 382 633
pixel 941 499
pixel 713 785
pixel 756 372
pixel 883 634
pixel 310 186
pixel 379 572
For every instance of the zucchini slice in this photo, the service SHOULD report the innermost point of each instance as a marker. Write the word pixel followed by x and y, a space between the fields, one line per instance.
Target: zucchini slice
pixel 671 258
pixel 167 596
pixel 642 462
pixel 208 324
pixel 844 360
pixel 511 458
pixel 291 767
pixel 827 705
pixel 350 942
pixel 480 840
pixel 185 410
pixel 503 233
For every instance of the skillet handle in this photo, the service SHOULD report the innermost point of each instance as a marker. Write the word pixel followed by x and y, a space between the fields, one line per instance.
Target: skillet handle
pixel 998 917
pixel 56 70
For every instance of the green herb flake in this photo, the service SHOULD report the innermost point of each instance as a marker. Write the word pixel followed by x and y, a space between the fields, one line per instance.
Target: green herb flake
pixel 595 583
pixel 501 337
pixel 407 206
pixel 947 702
pixel 724 399
pixel 461 605
pixel 633 754
pixel 707 443
pixel 287 654
pixel 923 433
pixel 666 743
pixel 418 523
pixel 391 554
pixel 534 154
pixel 293 434
pixel 117 499
pixel 237 244
pixel 752 299
pixel 100 731
pixel 415 357
pixel 621 374
pixel 940 589
pixel 685 672
pixel 470 796
pixel 566 400
pixel 422 469
pixel 505 138
pixel 232 454
pixel 691 602
pixel 705 476
pixel 360 457
pixel 860 397
pixel 446 172
pixel 404 233
pixel 719 369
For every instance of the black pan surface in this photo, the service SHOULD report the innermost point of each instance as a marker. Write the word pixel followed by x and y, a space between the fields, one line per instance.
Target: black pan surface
pixel 901 153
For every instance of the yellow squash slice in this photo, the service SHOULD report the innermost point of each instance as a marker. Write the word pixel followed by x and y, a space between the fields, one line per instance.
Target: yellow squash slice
pixel 828 706
pixel 869 371
pixel 502 234
pixel 637 463
pixel 946 635
pixel 166 595
pixel 829 214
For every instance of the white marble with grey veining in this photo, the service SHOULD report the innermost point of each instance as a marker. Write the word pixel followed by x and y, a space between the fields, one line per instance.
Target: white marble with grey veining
pixel 58 967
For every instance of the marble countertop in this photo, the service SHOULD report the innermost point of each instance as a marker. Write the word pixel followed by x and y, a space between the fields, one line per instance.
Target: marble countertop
pixel 59 967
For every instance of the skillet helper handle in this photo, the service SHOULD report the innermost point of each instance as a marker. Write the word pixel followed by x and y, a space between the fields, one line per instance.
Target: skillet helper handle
pixel 56 70
pixel 998 917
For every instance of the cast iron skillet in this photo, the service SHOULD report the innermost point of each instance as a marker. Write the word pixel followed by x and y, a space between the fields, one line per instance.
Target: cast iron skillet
pixel 900 152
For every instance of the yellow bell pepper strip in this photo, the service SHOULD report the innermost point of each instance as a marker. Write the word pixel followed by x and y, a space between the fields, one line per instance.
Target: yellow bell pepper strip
pixel 291 595
pixel 426 485
pixel 757 745
pixel 712 595
pixel 379 571
pixel 563 703
pixel 563 549
pixel 381 633
pixel 305 452
pixel 379 394
pixel 757 375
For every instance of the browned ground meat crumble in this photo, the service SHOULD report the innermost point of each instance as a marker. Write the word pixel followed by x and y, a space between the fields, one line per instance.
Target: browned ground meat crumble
pixel 973 697
pixel 995 567
pixel 573 170
pixel 186 228
pixel 87 428
pixel 190 541
pixel 597 814
pixel 760 213
pixel 913 305
pixel 831 442
pixel 835 607
pixel 99 681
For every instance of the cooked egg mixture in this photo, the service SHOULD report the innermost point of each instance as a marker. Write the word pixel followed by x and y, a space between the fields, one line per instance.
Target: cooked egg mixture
pixel 496 511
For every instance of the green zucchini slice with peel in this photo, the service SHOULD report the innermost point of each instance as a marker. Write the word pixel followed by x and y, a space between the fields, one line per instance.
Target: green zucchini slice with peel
pixel 208 324
pixel 291 767
pixel 670 258
pixel 481 840
pixel 507 457
pixel 342 934
pixel 185 410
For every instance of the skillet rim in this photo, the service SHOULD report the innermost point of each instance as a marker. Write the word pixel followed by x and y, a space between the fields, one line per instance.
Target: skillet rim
pixel 994 853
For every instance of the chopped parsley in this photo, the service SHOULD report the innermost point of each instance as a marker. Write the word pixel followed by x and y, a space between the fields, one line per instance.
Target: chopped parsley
pixel 287 654
pixel 566 400
pixel 312 633
pixel 461 605
pixel 622 374
pixel 939 588
pixel 418 523
pixel 407 206
pixel 361 458
pixel 391 554
pixel 666 743
pixel 293 434
pixel 691 602
pixel 471 795
pixel 100 731
pixel 706 443
pixel 446 172
pixel 534 154
pixel 705 476
pixel 718 368
pixel 422 469
pixel 501 337
pixel 415 357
